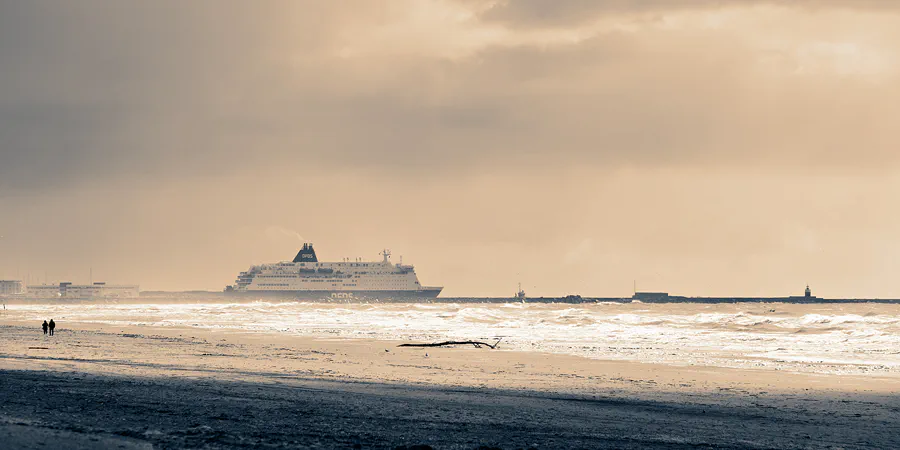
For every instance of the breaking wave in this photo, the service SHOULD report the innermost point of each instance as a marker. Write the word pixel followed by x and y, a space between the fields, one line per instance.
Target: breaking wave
pixel 846 338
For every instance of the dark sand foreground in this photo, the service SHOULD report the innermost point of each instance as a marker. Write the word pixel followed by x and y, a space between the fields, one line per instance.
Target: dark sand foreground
pixel 97 387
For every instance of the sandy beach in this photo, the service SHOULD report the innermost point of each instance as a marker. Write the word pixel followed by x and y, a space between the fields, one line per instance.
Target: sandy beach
pixel 669 224
pixel 167 387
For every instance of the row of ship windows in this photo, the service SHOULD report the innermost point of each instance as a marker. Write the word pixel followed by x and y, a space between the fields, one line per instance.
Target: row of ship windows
pixel 319 278
pixel 333 284
pixel 294 274
pixel 333 264
pixel 338 280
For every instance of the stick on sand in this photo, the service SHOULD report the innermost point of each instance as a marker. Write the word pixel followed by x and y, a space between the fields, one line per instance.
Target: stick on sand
pixel 477 344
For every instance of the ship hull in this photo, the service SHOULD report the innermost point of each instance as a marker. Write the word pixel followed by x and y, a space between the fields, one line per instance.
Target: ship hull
pixel 338 296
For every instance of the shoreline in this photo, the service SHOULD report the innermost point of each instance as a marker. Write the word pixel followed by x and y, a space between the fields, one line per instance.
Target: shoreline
pixel 827 339
pixel 452 360
pixel 442 399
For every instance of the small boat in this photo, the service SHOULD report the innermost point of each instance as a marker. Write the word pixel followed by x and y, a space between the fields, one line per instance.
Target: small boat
pixel 520 295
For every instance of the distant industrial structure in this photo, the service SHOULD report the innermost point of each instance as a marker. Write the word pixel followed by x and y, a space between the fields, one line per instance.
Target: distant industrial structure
pixel 12 287
pixel 67 291
pixel 664 297
pixel 650 296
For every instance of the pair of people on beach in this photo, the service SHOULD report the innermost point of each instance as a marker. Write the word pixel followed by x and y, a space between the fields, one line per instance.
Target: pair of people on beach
pixel 49 326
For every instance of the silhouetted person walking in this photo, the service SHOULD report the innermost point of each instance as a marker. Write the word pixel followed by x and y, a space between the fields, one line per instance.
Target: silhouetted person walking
pixel 44 326
pixel 51 325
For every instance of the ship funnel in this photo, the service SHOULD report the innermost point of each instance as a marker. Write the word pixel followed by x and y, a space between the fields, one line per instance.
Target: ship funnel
pixel 306 254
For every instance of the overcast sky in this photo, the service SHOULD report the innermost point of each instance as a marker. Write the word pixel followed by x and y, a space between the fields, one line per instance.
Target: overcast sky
pixel 699 147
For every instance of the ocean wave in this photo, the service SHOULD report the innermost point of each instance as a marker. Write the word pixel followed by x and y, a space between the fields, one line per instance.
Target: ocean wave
pixel 720 334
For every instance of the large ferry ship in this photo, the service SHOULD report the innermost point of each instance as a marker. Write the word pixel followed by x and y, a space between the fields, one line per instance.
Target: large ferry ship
pixel 305 278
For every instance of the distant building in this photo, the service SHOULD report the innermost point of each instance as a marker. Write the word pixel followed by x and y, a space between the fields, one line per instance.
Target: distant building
pixel 11 287
pixel 83 291
pixel 43 291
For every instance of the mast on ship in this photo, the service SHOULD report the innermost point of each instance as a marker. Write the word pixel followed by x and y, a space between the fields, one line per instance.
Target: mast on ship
pixel 387 255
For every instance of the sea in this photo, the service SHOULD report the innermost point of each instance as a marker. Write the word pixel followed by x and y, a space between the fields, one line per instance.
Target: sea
pixel 857 339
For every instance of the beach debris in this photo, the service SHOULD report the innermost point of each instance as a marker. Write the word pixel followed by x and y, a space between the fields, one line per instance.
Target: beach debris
pixel 477 344
pixel 38 348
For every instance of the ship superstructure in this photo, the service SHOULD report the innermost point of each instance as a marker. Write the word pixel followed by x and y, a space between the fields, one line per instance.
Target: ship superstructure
pixel 306 278
pixel 520 294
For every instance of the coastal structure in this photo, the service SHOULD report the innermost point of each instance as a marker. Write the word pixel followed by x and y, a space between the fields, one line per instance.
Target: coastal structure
pixel 807 295
pixel 650 296
pixel 305 278
pixel 11 287
pixel 67 291
pixel 665 297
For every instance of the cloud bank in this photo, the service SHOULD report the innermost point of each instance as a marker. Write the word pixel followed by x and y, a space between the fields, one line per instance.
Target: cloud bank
pixel 602 108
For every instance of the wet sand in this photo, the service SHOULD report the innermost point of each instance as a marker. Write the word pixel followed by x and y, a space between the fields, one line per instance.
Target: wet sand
pixel 186 387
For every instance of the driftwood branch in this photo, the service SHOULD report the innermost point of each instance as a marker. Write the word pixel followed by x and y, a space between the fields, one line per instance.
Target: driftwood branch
pixel 477 344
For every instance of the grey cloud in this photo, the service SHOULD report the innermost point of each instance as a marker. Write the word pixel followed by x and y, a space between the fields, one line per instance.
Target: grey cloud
pixel 616 100
pixel 574 12
pixel 173 90
pixel 133 87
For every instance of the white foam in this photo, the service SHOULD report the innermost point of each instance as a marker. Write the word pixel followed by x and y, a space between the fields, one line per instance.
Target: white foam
pixel 860 339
